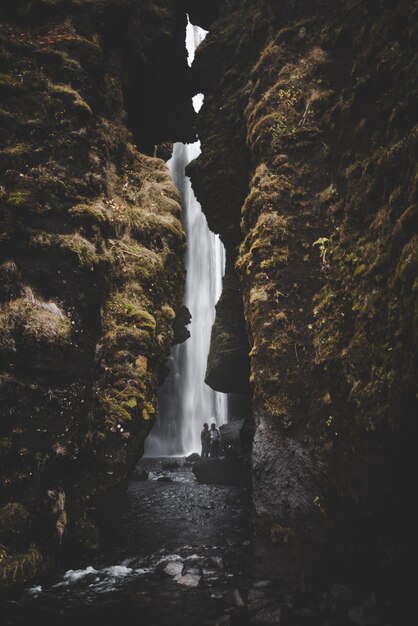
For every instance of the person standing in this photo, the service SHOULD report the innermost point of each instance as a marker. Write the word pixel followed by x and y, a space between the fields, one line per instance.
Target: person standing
pixel 205 440
pixel 214 441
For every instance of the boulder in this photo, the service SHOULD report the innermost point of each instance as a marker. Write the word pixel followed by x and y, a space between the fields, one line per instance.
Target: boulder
pixel 228 367
pixel 173 568
pixel 189 580
pixel 182 319
pixel 219 471
pixel 172 565
pixel 231 438
pixel 192 458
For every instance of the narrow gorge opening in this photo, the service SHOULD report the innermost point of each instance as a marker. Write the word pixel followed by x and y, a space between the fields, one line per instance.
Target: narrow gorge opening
pixel 185 401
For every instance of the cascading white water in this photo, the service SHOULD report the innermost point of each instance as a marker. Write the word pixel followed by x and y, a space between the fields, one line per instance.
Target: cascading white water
pixel 185 401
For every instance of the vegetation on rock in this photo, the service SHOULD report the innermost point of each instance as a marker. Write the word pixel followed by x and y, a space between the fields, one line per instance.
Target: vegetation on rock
pixel 90 262
pixel 308 164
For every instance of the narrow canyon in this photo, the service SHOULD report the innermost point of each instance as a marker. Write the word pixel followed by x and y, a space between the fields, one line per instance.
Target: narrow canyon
pixel 208 214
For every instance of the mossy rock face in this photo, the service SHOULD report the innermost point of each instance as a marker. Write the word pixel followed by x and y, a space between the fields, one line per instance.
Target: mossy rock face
pixel 228 362
pixel 69 95
pixel 14 155
pixel 311 184
pixel 9 85
pixel 91 242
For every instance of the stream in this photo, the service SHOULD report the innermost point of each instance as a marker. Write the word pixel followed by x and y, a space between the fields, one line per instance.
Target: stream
pixel 175 552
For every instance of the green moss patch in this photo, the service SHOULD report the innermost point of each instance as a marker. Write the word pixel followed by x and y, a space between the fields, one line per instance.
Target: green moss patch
pixel 9 85
pixel 74 245
pixel 69 95
pixel 16 156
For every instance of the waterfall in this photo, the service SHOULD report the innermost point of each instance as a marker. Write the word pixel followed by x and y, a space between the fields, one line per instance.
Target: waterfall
pixel 185 401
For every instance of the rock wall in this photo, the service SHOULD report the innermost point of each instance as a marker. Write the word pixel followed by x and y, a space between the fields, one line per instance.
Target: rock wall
pixel 228 362
pixel 308 173
pixel 90 256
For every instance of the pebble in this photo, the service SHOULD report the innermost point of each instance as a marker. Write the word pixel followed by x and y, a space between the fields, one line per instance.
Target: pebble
pixel 208 572
pixel 192 458
pixel 189 580
pixel 174 568
pixel 261 584
pixel 34 590
pixel 238 598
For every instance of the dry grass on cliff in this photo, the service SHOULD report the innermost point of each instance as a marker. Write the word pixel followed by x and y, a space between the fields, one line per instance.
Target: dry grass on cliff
pixel 29 321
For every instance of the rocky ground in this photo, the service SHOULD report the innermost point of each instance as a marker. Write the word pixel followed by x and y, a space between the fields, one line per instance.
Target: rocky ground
pixel 175 552
pixel 178 552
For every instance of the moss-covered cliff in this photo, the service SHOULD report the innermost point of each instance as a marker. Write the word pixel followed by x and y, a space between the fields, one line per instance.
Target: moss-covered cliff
pixel 90 257
pixel 308 172
pixel 228 362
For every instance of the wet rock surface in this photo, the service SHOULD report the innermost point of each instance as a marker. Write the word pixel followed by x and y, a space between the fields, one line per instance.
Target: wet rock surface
pixel 219 471
pixel 228 367
pixel 179 554
pixel 173 553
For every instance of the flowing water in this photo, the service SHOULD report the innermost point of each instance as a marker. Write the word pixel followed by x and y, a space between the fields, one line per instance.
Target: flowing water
pixel 172 554
pixel 175 552
pixel 185 401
